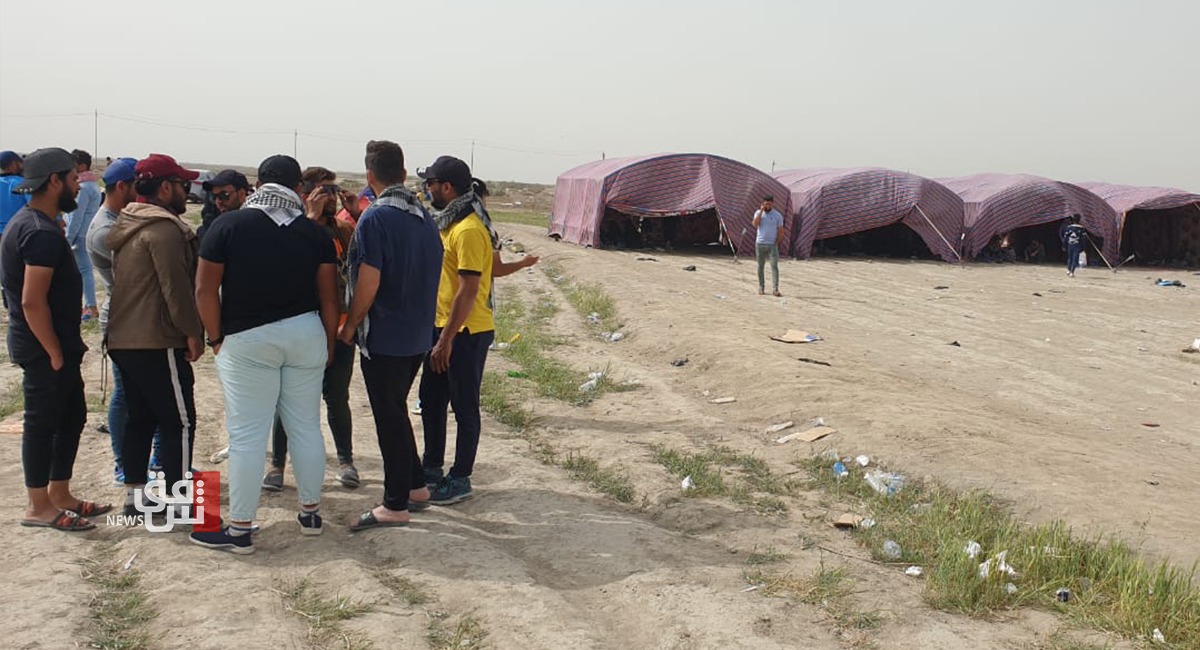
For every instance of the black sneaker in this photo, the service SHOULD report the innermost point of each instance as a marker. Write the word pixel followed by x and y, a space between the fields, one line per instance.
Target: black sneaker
pixel 433 478
pixel 223 541
pixel 451 491
pixel 310 523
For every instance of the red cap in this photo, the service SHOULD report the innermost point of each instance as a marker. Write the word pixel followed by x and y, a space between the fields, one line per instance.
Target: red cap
pixel 159 165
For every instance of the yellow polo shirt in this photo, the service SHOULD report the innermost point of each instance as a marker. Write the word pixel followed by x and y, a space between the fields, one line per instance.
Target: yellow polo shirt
pixel 468 251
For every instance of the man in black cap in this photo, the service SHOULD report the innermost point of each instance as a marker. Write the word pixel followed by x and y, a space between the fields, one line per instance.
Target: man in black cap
pixel 266 288
pixel 43 289
pixel 463 328
pixel 228 190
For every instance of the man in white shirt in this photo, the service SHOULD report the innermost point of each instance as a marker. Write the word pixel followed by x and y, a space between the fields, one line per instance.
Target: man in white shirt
pixel 769 223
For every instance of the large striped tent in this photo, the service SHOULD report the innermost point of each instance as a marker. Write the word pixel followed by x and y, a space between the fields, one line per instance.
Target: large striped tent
pixel 997 204
pixel 1154 223
pixel 663 185
pixel 833 202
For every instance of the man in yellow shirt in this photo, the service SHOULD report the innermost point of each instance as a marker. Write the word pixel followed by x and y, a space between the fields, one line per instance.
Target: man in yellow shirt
pixel 463 328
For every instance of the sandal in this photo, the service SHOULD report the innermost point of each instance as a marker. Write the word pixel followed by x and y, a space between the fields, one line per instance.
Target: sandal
pixel 66 521
pixel 367 520
pixel 90 508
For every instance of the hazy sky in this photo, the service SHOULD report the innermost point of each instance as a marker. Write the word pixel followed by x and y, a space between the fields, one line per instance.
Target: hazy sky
pixel 1072 89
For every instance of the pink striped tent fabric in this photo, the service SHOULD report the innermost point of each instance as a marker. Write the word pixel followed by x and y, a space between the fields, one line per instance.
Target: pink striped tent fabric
pixel 833 202
pixel 661 185
pixel 1126 198
pixel 998 203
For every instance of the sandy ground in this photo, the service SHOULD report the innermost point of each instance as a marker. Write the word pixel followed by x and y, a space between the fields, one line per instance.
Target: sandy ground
pixel 1044 403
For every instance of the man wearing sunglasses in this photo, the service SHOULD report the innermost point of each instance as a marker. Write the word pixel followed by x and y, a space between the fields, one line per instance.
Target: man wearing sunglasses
pixel 228 190
pixel 154 330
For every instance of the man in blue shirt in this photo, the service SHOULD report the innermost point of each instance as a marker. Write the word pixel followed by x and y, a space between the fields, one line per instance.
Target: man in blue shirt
pixel 78 222
pixel 11 168
pixel 769 223
pixel 1073 238
pixel 395 267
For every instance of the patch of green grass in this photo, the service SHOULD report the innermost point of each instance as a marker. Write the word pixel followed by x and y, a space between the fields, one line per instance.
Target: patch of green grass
pixel 606 480
pixel 519 216
pixel 829 590
pixel 467 633
pixel 406 589
pixel 1114 588
pixel 590 300
pixel 499 398
pixel 120 609
pixel 324 615
pixel 12 400
pixel 720 471
pixel 769 555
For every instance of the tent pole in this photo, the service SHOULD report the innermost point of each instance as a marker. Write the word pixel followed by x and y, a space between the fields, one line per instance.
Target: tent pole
pixel 732 248
pixel 939 233
pixel 1097 249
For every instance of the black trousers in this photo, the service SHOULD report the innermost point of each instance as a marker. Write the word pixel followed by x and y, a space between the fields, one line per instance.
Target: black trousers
pixel 55 412
pixel 389 380
pixel 457 387
pixel 159 393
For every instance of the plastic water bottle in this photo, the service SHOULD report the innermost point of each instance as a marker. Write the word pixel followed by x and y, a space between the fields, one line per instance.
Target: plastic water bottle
pixel 839 470
pixel 891 550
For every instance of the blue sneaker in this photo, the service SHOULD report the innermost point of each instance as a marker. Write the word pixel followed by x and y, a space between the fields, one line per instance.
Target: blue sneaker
pixel 118 476
pixel 223 541
pixel 450 491
pixel 433 478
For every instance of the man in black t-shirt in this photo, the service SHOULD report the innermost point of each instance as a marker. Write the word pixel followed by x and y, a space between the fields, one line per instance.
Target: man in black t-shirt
pixel 43 289
pixel 265 274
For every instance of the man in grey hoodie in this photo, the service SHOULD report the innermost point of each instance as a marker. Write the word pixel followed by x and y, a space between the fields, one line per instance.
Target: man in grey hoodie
pixel 154 330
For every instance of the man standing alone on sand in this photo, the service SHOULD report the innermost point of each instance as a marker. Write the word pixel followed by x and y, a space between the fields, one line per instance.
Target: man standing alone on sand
pixel 1073 237
pixel 769 223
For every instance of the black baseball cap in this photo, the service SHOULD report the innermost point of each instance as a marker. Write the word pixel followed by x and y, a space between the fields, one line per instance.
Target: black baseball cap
pixel 449 169
pixel 41 165
pixel 280 169
pixel 227 177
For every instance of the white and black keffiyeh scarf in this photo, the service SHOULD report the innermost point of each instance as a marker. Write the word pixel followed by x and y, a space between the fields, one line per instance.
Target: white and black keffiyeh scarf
pixel 459 209
pixel 280 203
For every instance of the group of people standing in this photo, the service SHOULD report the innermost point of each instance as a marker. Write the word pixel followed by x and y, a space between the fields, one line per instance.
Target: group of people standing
pixel 282 286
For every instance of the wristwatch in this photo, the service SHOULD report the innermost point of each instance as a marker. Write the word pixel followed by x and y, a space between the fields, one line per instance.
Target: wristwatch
pixel 212 343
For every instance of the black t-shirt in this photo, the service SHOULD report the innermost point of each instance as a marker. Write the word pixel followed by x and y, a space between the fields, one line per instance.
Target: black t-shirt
pixel 34 239
pixel 270 270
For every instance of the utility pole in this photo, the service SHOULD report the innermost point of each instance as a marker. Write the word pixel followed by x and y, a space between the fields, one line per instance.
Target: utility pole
pixel 96 132
pixel 472 154
pixel 772 166
pixel 295 141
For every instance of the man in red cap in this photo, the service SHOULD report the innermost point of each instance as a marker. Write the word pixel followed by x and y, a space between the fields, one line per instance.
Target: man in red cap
pixel 154 330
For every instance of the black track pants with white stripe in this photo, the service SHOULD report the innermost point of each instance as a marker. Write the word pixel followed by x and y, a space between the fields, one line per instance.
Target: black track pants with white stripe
pixel 159 393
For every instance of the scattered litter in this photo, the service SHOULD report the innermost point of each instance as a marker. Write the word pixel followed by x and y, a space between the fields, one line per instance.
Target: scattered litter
pixel 1170 283
pixel 752 588
pixel 840 471
pixel 1148 482
pixel 596 375
pixel 814 362
pixel 646 259
pixel 1037 294
pixel 863 460
pixel 1158 637
pixel 129 562
pixel 885 482
pixel 589 386
pixel 985 568
pixel 940 287
pixel 719 296
pixel 723 400
pixel 972 549
pixel 1010 588
pixel 848 520
pixel 891 550
pixel 776 428
pixel 594 318
pixel 955 344
pixel 679 363
pixel 616 336
pixel 558 279
pixel 690 267
pixel 1194 347
pixel 867 523
pixel 795 336
pixel 1063 595
pixel 914 571
pixel 517 374
pixel 220 455
pixel 1151 425
pixel 687 483
pixel 808 435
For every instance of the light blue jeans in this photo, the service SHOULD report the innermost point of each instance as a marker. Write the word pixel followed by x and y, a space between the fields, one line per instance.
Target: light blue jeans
pixel 84 261
pixel 274 368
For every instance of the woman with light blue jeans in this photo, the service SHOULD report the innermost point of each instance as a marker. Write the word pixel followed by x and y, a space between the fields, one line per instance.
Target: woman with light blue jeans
pixel 266 288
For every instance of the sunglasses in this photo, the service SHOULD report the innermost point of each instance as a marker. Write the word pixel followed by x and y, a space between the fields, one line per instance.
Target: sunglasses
pixel 186 185
pixel 433 181
pixel 223 196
